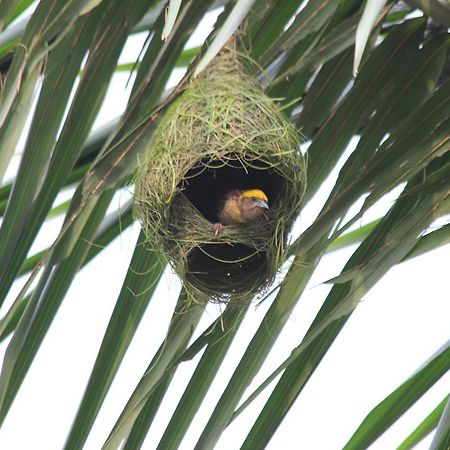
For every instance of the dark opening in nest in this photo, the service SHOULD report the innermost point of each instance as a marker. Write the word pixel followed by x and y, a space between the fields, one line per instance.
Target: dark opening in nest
pixel 231 267
pixel 205 185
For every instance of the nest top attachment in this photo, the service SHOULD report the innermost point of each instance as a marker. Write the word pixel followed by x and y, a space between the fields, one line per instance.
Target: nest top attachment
pixel 223 133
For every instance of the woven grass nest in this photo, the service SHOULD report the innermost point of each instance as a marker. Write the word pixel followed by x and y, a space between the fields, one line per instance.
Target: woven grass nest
pixel 222 133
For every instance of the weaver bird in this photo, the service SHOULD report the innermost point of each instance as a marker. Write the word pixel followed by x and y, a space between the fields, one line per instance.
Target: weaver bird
pixel 241 207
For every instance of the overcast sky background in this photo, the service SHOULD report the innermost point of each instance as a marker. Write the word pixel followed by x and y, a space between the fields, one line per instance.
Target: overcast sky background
pixel 397 326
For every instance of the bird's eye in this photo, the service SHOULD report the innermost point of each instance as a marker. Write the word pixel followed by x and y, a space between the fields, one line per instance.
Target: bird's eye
pixel 254 199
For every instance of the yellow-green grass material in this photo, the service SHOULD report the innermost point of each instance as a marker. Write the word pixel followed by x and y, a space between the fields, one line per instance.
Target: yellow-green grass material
pixel 222 133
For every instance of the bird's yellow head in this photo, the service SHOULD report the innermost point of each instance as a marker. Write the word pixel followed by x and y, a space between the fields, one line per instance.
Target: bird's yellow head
pixel 253 205
pixel 255 193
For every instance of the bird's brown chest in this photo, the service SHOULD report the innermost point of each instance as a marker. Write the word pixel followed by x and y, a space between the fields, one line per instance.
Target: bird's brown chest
pixel 230 212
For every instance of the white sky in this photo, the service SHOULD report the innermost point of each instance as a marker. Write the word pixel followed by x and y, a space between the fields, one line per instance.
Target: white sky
pixel 398 325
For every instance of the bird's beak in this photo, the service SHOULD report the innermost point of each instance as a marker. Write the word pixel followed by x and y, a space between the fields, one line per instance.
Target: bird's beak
pixel 263 204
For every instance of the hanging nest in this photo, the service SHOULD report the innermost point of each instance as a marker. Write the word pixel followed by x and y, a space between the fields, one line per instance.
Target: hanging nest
pixel 222 133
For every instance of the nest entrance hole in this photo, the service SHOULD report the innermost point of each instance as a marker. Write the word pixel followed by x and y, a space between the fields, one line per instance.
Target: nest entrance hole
pixel 206 184
pixel 227 267
pixel 224 265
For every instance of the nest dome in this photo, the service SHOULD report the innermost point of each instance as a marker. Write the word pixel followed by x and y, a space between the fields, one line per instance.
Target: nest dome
pixel 222 133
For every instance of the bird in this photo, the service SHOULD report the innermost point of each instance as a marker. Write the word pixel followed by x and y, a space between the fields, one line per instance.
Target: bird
pixel 242 207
